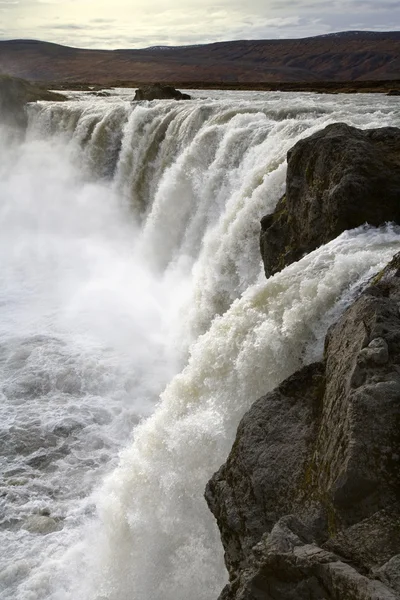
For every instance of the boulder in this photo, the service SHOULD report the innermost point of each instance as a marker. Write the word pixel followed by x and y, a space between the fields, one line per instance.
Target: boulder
pixel 15 94
pixel 308 501
pixel 337 179
pixel 159 91
pixel 390 573
pixel 42 524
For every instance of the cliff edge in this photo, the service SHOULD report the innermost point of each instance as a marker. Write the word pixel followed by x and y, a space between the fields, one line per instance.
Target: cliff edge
pixel 15 94
pixel 308 501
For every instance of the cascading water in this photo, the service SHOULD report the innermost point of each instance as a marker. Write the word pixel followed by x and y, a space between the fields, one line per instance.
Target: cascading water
pixel 129 252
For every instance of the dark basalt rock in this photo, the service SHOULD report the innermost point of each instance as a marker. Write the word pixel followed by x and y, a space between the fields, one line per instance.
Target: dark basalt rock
pixel 101 94
pixel 308 502
pixel 265 469
pixel 159 91
pixel 15 94
pixel 337 179
pixel 288 566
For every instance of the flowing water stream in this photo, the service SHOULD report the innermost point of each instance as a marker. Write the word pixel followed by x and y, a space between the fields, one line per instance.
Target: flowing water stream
pixel 136 327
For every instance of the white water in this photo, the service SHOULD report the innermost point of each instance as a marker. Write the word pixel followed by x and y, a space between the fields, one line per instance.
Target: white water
pixel 125 233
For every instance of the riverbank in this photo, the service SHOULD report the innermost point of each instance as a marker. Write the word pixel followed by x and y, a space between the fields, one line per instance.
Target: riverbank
pixel 319 87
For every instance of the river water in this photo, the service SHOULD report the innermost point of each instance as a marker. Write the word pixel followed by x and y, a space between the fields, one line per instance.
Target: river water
pixel 137 326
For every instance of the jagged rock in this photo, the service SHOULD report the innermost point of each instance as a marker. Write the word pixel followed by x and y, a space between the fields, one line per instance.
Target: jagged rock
pixel 324 447
pixel 390 573
pixel 15 94
pixel 286 566
pixel 393 93
pixel 336 180
pixel 159 91
pixel 371 542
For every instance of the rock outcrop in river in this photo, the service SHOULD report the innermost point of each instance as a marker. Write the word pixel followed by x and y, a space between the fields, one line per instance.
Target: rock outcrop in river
pixel 337 179
pixel 159 91
pixel 308 502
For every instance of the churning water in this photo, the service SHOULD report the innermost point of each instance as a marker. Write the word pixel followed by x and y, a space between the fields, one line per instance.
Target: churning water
pixel 136 327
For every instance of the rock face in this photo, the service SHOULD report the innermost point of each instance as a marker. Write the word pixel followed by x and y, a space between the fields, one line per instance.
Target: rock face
pixel 14 95
pixel 336 180
pixel 159 91
pixel 308 501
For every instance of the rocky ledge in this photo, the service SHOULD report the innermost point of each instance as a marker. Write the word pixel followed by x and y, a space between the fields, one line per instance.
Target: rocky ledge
pixel 337 179
pixel 159 91
pixel 15 94
pixel 308 502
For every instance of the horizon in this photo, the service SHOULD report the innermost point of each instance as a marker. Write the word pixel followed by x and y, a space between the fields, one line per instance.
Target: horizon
pixel 152 23
pixel 161 47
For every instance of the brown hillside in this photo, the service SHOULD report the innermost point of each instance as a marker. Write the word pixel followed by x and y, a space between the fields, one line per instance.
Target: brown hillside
pixel 349 56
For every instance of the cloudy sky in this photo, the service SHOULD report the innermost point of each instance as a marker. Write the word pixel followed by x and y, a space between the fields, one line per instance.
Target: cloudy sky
pixel 142 23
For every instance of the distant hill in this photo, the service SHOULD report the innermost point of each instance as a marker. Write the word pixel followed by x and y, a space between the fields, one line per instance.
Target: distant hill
pixel 348 56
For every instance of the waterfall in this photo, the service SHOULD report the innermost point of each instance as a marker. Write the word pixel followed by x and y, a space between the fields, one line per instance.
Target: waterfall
pixel 138 328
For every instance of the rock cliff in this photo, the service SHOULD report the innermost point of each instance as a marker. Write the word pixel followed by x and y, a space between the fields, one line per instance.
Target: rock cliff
pixel 15 94
pixel 308 501
pixel 337 179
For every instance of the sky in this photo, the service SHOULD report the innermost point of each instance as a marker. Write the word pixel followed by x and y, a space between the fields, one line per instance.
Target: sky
pixel 114 24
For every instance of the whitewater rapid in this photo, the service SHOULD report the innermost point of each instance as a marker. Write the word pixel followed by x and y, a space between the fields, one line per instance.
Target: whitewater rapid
pixel 136 327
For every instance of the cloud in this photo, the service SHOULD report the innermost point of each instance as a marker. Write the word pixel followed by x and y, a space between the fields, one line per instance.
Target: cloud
pixel 368 5
pixel 103 20
pixel 7 4
pixel 61 26
pixel 123 24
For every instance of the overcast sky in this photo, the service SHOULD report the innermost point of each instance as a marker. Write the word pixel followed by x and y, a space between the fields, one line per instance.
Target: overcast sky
pixel 142 23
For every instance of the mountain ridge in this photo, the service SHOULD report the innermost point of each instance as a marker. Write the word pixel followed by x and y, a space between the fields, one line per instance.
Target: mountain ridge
pixel 343 56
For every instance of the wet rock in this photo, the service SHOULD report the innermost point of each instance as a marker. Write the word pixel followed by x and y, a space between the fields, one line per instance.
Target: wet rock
pixel 265 468
pixel 42 524
pixel 313 479
pixel 44 512
pixel 159 91
pixel 336 180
